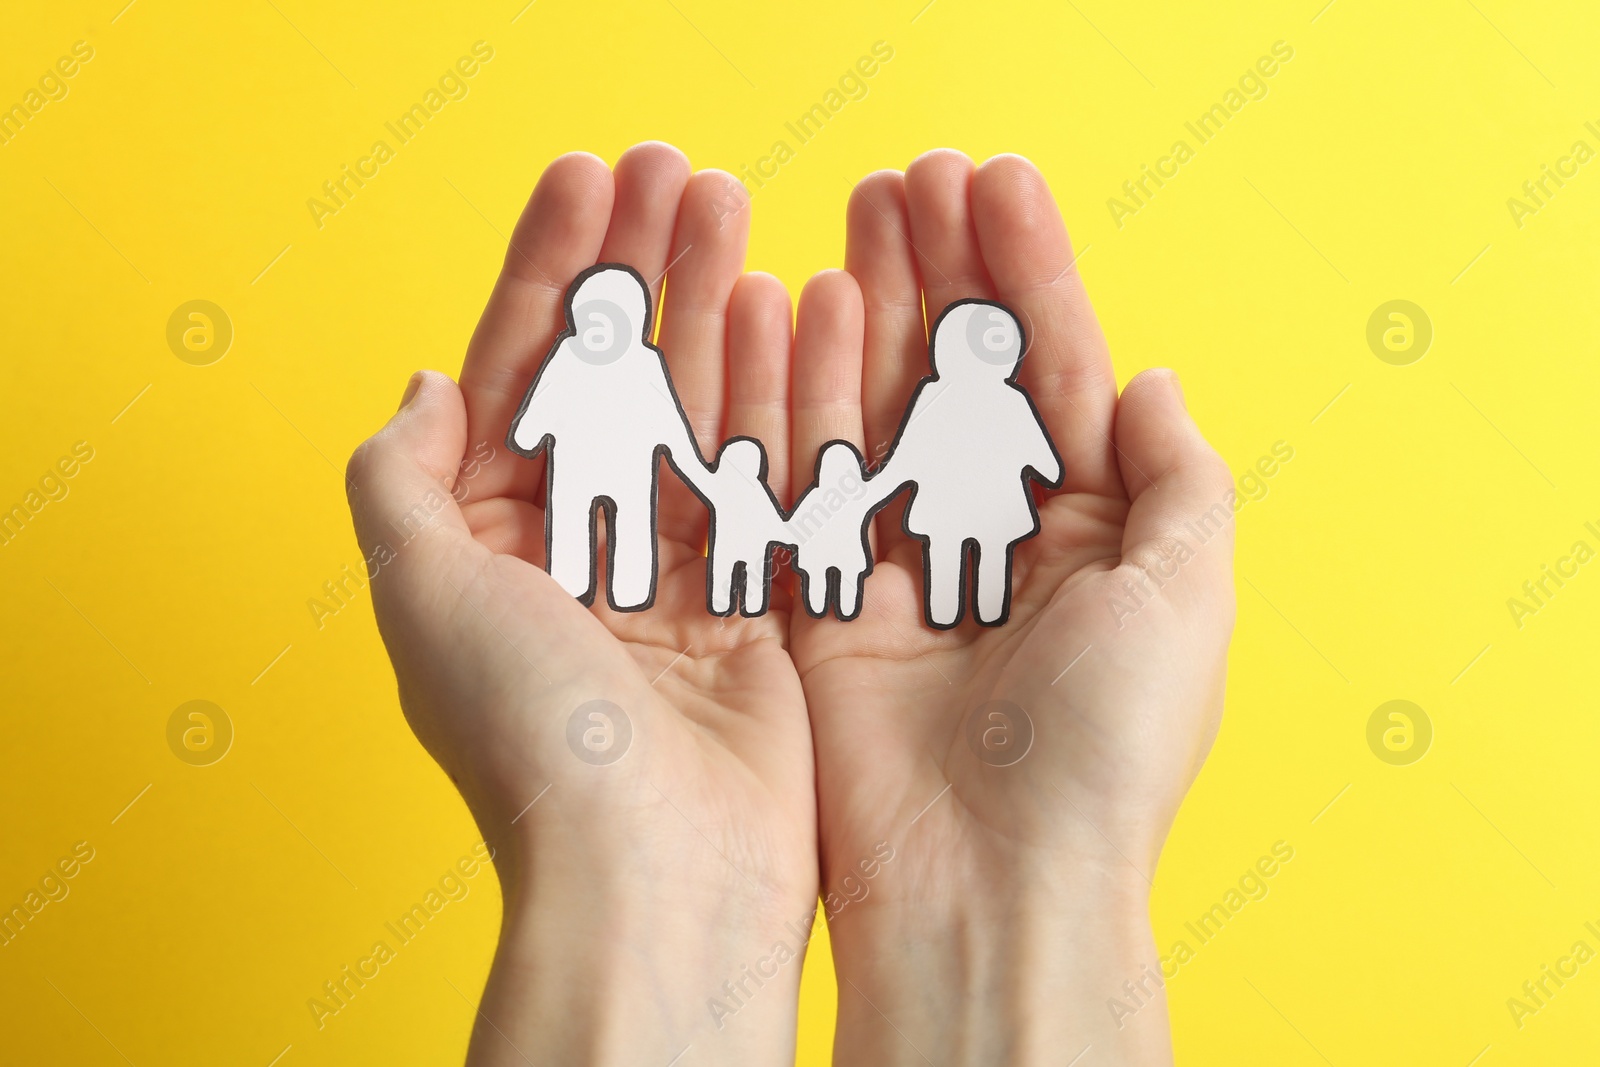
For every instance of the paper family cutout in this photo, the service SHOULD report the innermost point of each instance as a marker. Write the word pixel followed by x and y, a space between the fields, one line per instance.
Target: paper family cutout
pixel 603 409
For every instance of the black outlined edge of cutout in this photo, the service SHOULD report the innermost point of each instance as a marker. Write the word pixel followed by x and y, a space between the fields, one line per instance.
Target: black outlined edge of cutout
pixel 968 579
pixel 736 599
pixel 832 590
pixel 605 501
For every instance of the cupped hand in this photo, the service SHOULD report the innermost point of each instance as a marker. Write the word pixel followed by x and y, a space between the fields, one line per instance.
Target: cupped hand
pixel 641 872
pixel 1021 778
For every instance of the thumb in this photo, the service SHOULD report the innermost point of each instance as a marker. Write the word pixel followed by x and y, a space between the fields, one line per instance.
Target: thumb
pixel 1182 492
pixel 399 480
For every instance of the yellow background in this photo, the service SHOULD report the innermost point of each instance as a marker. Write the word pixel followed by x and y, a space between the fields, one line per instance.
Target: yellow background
pixel 1377 567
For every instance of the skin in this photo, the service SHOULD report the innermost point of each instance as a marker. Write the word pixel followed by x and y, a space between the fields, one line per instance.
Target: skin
pixel 775 755
pixel 1017 902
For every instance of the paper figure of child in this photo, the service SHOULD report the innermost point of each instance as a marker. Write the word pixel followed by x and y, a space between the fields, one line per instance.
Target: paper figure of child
pixel 971 441
pixel 829 526
pixel 746 522
pixel 603 407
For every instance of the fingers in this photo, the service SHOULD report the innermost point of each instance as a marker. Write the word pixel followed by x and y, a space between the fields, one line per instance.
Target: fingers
pixel 1181 489
pixel 400 480
pixel 708 251
pixel 559 234
pixel 650 180
pixel 938 193
pixel 708 247
pixel 829 329
pixel 759 336
pixel 878 254
pixel 1067 367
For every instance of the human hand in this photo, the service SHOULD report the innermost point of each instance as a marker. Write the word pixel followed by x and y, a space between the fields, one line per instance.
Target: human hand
pixel 633 889
pixel 1014 901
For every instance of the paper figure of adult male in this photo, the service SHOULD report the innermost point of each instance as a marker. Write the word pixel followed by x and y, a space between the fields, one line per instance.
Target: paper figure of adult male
pixel 603 406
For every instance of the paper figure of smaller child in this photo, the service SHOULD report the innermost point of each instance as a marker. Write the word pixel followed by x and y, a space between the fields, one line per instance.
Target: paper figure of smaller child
pixel 829 525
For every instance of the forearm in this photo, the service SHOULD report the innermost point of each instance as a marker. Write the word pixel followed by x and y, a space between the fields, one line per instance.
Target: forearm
pixel 1019 978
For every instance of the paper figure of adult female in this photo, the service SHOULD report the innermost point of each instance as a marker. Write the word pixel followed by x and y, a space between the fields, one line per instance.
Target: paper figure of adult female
pixel 971 441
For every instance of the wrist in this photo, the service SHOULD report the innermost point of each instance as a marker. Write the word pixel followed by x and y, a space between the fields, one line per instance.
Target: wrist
pixel 611 971
pixel 1021 971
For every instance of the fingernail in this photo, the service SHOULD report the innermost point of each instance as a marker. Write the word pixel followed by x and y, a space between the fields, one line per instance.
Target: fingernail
pixel 411 390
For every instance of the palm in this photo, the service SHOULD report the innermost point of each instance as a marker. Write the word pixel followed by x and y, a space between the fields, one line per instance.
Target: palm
pixel 667 646
pixel 892 700
pixel 724 689
pixel 719 746
pixel 882 760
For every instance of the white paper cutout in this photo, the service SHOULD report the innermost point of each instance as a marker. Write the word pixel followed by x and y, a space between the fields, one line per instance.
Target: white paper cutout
pixel 829 526
pixel 746 522
pixel 970 443
pixel 604 408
